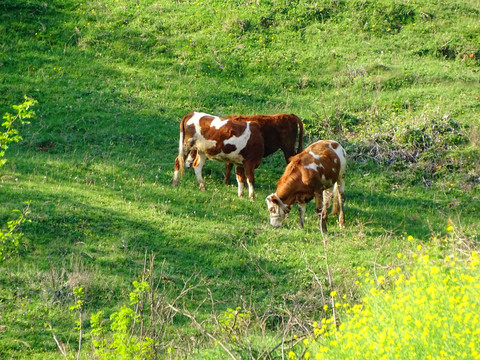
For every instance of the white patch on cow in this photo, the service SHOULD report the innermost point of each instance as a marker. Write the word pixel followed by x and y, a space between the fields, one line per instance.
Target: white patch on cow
pixel 335 161
pixel 341 156
pixel 324 179
pixel 196 118
pixel 240 142
pixel 276 217
pixel 250 189
pixel 315 156
pixel 201 143
pixel 312 166
pixel 334 170
pixel 241 185
pixel 180 144
pixel 217 123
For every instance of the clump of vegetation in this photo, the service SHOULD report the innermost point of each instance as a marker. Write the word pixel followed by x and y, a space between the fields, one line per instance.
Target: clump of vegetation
pixel 426 140
pixel 428 310
pixel 432 147
pixel 23 112
pixel 10 237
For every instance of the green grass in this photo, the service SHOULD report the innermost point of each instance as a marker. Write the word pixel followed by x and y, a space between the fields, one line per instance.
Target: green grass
pixel 396 82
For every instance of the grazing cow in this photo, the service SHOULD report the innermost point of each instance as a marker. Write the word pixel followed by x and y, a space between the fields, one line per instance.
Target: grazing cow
pixel 205 136
pixel 279 132
pixel 312 173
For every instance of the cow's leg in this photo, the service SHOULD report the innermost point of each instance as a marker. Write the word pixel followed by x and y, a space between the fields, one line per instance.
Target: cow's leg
pixel 327 198
pixel 321 212
pixel 335 208
pixel 187 161
pixel 288 151
pixel 339 194
pixel 250 172
pixel 176 171
pixel 191 158
pixel 198 166
pixel 228 171
pixel 301 212
pixel 240 180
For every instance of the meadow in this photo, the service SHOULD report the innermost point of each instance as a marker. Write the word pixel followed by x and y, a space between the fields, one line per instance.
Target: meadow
pixel 203 275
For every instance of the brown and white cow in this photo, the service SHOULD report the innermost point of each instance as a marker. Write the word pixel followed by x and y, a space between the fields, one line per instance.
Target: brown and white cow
pixel 279 132
pixel 224 140
pixel 312 173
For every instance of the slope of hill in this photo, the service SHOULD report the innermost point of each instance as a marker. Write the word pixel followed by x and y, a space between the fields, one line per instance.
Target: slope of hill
pixel 396 82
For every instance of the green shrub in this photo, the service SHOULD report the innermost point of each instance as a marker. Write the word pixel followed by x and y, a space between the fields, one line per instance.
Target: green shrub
pixel 121 340
pixel 10 238
pixel 10 134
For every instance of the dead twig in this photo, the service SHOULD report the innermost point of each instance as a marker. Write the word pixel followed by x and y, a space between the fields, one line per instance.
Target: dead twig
pixel 60 345
pixel 202 329
pixel 330 280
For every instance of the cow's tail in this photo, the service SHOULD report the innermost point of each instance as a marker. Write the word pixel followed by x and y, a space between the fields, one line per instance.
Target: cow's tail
pixel 181 148
pixel 181 157
pixel 300 134
pixel 180 160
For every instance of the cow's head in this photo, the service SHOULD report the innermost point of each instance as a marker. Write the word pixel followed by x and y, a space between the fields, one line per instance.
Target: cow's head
pixel 278 210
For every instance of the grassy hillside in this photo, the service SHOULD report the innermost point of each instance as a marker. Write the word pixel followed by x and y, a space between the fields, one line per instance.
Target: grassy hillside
pixel 395 82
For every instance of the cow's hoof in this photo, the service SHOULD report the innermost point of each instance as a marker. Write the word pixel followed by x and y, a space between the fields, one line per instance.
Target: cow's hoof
pixel 202 187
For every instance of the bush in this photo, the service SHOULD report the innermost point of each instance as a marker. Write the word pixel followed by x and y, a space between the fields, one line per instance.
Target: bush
pixel 10 134
pixel 10 238
pixel 430 312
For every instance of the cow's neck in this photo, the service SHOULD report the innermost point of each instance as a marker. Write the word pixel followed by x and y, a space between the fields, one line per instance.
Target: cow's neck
pixel 286 195
pixel 293 191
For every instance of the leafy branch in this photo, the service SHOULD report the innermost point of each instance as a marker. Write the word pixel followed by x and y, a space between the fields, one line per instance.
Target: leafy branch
pixel 10 238
pixel 23 112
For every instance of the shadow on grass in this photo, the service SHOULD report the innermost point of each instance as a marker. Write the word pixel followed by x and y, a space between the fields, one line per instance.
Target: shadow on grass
pixel 115 241
pixel 414 214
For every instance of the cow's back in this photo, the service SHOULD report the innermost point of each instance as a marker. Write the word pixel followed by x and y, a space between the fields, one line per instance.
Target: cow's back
pixel 224 140
pixel 279 131
pixel 317 167
pixel 322 163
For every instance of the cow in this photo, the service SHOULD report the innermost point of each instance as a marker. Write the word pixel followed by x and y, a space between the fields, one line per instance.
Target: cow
pixel 279 132
pixel 205 136
pixel 311 174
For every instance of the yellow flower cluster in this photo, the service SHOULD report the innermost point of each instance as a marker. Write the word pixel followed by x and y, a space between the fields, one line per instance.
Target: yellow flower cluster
pixel 432 312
